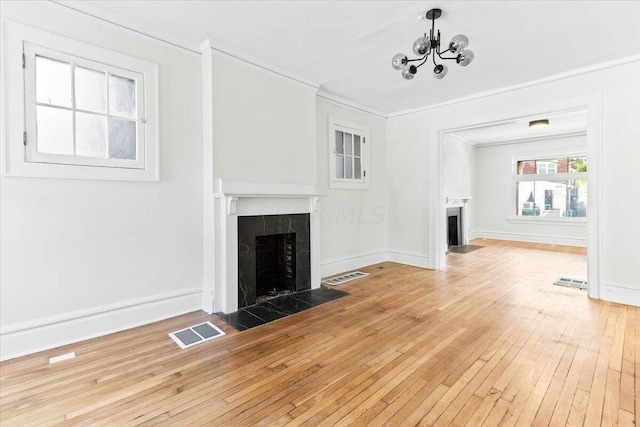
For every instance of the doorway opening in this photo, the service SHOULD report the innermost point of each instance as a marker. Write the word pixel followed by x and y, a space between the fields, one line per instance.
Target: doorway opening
pixel 578 120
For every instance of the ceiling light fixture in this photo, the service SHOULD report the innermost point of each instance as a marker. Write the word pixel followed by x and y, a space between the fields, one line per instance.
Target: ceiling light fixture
pixel 430 45
pixel 538 123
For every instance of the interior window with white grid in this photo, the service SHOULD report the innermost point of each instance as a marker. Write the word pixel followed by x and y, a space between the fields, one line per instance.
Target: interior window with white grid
pixel 348 149
pixel 82 112
pixel 76 110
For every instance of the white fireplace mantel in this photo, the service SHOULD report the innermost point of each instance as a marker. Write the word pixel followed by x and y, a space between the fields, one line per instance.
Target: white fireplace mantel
pixel 454 202
pixel 234 199
pixel 461 202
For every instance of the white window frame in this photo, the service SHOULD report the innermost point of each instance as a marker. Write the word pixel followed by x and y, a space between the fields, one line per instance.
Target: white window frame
pixel 546 168
pixel 19 102
pixel 551 177
pixel 355 128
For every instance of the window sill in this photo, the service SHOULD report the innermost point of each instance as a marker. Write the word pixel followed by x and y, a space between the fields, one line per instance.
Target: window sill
pixel 342 185
pixel 572 222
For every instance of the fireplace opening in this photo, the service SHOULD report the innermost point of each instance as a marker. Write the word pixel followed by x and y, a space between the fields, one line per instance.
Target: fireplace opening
pixel 275 265
pixel 274 256
pixel 454 229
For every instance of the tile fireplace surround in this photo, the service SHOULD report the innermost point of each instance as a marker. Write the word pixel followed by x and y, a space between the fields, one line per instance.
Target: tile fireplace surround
pixel 236 199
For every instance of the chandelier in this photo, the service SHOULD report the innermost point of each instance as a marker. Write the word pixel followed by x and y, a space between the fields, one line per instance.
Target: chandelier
pixel 425 46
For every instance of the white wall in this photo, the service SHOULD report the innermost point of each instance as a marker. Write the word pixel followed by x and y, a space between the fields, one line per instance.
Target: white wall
pixel 458 167
pixel 353 222
pixel 459 174
pixel 263 124
pixel 81 258
pixel 495 199
pixel 416 153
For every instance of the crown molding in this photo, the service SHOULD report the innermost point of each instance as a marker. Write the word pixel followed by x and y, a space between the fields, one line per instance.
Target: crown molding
pixel 556 77
pixel 119 27
pixel 347 103
pixel 206 45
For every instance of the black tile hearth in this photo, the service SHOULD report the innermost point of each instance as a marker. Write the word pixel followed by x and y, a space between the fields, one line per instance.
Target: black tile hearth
pixel 276 308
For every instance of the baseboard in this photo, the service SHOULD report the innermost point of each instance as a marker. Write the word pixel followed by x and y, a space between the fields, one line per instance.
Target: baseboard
pixel 416 260
pixel 530 238
pixel 620 294
pixel 330 268
pixel 42 334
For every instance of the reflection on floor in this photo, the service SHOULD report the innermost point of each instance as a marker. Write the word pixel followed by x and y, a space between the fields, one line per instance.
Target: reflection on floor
pixel 464 249
pixel 276 308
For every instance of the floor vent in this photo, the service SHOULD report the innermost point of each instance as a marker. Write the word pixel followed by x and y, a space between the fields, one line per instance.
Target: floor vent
pixel 196 334
pixel 345 278
pixel 571 283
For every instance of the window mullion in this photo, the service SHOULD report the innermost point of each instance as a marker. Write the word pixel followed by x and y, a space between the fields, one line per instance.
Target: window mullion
pixel 106 131
pixel 73 107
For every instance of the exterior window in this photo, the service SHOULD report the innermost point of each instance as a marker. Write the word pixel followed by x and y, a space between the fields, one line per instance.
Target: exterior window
pixel 87 112
pixel 348 154
pixel 554 187
pixel 546 167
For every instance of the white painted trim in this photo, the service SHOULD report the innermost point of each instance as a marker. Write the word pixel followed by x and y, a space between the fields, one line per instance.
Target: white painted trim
pixel 36 335
pixel 347 103
pixel 119 27
pixel 263 189
pixel 408 258
pixel 544 220
pixel 555 77
pixel 620 294
pixel 592 103
pixel 253 61
pixel 531 238
pixel 342 265
pixel 510 141
pixel 337 123
pixel 19 119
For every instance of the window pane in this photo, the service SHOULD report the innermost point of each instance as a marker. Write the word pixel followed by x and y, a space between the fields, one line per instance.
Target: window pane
pixel 549 166
pixel 122 96
pixel 339 166
pixel 348 167
pixel 53 82
pixel 348 143
pixel 91 135
pixel 91 93
pixel 122 139
pixel 339 142
pixel 357 168
pixel 356 145
pixel 527 167
pixel 578 164
pixel 55 130
pixel 552 199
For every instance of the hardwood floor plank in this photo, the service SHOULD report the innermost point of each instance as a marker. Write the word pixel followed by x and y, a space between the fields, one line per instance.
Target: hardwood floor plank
pixel 490 341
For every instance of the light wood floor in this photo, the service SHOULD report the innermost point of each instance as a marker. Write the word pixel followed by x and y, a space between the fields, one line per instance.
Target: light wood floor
pixel 488 342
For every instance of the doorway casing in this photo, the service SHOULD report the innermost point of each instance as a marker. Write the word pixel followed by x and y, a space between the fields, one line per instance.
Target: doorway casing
pixel 592 104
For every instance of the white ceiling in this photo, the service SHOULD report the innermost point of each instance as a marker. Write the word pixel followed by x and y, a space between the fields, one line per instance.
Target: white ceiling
pixel 559 124
pixel 345 47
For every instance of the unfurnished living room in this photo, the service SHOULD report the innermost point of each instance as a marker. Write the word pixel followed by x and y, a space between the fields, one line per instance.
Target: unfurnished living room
pixel 319 213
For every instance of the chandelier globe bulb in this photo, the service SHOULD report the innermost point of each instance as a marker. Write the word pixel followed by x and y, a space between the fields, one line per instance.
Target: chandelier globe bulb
pixel 440 71
pixel 458 44
pixel 465 57
pixel 421 46
pixel 409 71
pixel 399 61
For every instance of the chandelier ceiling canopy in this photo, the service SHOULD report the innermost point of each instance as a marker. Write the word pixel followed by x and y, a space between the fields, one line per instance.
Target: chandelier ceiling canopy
pixel 430 45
